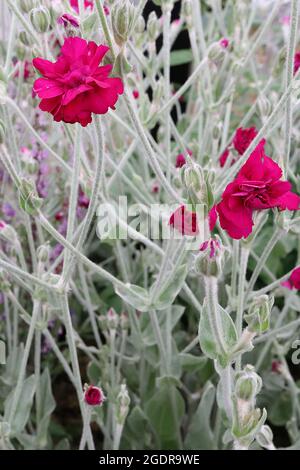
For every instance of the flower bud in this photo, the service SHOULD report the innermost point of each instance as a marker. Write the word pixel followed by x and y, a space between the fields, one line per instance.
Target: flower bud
pixel 153 26
pixel 264 106
pixel 123 402
pixel 29 200
pixel 265 437
pixel 140 25
pixel 258 318
pixel 27 5
pixel 209 260
pixel 158 90
pixel 122 17
pixel 24 38
pixel 4 282
pixel 30 164
pixel 2 131
pixel 124 321
pixel 8 233
pixel 187 13
pixel 280 62
pixel 248 384
pixel 216 51
pixel 112 319
pixel 40 19
pixel 43 252
pixel 93 396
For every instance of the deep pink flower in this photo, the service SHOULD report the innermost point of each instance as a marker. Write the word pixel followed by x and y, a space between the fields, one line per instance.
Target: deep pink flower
pixel 276 367
pixel 155 188
pixel 87 4
pixel 296 61
pixel 241 141
pixel 135 94
pixel 83 199
pixel 94 396
pixel 257 186
pixel 75 86
pixel 294 280
pixel 184 221
pixel 68 20
pixel 212 218
pixel 243 138
pixel 180 160
pixel 27 69
pixel 223 158
pixel 224 43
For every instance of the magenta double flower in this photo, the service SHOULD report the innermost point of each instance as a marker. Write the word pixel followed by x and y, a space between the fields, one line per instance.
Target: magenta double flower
pixel 75 86
pixel 257 186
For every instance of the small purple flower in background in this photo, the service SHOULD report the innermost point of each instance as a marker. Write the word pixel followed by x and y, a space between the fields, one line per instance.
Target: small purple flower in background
pixel 8 211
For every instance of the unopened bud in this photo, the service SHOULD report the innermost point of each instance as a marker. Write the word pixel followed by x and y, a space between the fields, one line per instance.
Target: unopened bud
pixel 140 25
pixel 153 26
pixel 216 51
pixel 124 321
pixel 8 233
pixel 258 318
pixel 29 200
pixel 248 384
pixel 27 5
pixel 187 13
pixel 210 257
pixel 264 106
pixel 4 282
pixel 112 319
pixel 43 252
pixel 123 402
pixel 122 17
pixel 24 38
pixel 40 19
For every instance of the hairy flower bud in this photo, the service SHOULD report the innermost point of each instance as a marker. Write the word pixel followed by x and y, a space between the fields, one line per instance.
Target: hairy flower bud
pixel 43 253
pixel 216 51
pixel 24 38
pixel 187 13
pixel 8 233
pixel 153 26
pixel 124 321
pixel 210 257
pixel 248 384
pixel 258 318
pixel 264 106
pixel 4 282
pixel 112 319
pixel 140 25
pixel 29 200
pixel 122 17
pixel 123 402
pixel 40 19
pixel 27 5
